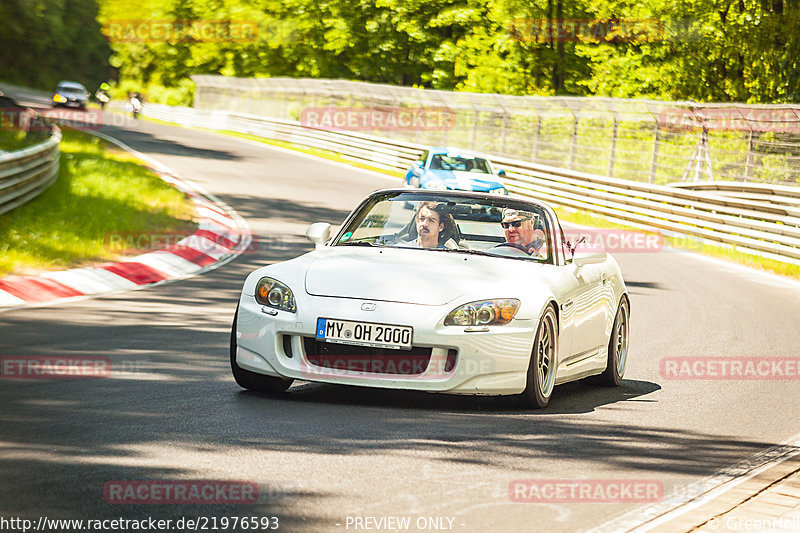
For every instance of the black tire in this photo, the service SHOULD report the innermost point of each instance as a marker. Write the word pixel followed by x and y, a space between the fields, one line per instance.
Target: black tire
pixel 250 380
pixel 617 347
pixel 543 362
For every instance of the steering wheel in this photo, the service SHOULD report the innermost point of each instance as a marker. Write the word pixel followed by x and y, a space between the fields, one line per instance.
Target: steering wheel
pixel 512 245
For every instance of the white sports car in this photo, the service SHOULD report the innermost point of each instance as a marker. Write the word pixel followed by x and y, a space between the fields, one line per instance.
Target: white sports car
pixel 436 291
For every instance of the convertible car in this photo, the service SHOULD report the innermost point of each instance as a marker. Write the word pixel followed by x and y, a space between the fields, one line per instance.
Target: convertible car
pixel 432 291
pixel 450 168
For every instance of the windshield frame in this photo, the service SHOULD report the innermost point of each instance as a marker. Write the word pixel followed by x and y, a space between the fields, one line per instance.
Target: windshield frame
pixel 552 225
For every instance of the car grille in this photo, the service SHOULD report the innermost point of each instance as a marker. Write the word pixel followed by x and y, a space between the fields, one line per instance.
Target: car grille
pixel 366 359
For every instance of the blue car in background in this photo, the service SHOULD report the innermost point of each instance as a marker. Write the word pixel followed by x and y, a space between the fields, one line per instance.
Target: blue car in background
pixel 451 168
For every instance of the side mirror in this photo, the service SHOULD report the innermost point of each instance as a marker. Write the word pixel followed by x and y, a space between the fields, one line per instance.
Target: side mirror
pixel 501 173
pixel 588 255
pixel 319 233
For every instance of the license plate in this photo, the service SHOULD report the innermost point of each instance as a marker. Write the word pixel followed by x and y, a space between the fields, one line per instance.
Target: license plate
pixel 365 333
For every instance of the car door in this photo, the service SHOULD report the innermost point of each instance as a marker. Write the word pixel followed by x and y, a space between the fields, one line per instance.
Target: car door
pixel 585 304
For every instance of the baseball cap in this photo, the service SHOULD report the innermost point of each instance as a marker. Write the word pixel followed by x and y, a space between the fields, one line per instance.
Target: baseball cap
pixel 510 215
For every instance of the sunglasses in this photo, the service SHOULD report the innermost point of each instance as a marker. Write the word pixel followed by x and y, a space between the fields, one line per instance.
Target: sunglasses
pixel 515 224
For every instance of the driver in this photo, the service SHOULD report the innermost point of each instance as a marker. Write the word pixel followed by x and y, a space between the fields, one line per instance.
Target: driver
pixel 520 229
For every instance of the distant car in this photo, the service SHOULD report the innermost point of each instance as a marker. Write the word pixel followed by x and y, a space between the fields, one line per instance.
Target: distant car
pixel 454 169
pixel 70 94
pixel 474 315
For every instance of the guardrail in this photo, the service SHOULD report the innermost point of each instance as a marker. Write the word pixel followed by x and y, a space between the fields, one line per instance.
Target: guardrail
pixel 773 194
pixel 25 173
pixel 766 228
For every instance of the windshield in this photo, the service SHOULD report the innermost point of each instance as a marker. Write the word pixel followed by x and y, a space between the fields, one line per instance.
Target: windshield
pixel 460 163
pixel 70 89
pixel 448 223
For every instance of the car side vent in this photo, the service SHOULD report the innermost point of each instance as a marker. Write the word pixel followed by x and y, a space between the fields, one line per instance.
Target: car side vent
pixel 452 357
pixel 287 345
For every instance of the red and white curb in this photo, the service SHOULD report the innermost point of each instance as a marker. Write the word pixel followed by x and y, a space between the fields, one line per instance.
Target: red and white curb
pixel 221 236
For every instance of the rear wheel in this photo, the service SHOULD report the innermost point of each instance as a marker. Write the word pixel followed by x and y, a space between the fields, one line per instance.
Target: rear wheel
pixel 617 347
pixel 542 366
pixel 250 380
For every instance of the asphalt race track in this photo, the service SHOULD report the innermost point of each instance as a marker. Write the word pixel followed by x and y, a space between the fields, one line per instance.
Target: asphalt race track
pixel 321 453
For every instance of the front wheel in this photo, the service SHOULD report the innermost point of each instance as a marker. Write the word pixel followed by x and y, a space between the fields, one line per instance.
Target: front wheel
pixel 542 366
pixel 617 347
pixel 250 380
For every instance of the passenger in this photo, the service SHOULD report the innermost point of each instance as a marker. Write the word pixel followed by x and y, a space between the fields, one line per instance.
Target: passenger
pixel 520 229
pixel 434 228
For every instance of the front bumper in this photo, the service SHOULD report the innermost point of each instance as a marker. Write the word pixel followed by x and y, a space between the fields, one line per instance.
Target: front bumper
pixel 491 362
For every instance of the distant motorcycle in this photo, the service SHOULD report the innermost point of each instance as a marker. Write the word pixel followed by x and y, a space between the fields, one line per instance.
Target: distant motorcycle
pixel 136 105
pixel 102 97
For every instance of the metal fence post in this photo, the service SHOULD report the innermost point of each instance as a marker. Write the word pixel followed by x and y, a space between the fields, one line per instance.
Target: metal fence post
pixel 574 141
pixel 748 162
pixel 613 146
pixel 474 132
pixel 503 133
pixel 654 159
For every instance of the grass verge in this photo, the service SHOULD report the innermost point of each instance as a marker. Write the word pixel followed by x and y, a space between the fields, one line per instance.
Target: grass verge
pixel 568 215
pixel 100 192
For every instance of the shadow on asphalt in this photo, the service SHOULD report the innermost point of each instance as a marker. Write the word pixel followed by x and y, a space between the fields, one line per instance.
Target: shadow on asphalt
pixel 304 213
pixel 144 142
pixel 570 398
pixel 644 285
pixel 148 143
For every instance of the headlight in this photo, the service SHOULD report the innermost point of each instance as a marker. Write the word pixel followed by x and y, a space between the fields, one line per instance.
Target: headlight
pixel 501 190
pixel 483 313
pixel 59 99
pixel 273 293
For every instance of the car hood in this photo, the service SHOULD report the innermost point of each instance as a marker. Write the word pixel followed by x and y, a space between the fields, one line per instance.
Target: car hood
pixel 417 276
pixel 467 181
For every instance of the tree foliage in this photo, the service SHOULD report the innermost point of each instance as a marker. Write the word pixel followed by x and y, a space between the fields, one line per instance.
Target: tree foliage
pixel 706 50
pixel 45 41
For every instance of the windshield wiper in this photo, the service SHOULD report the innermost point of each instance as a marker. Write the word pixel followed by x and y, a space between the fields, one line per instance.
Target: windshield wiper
pixel 466 251
pixel 358 243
